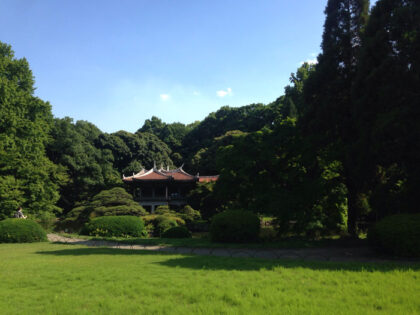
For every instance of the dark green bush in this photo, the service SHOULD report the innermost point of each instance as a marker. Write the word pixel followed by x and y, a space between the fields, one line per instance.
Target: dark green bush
pixel 163 223
pixel 112 202
pixel 121 226
pixel 235 226
pixel 21 231
pixel 177 232
pixel 397 235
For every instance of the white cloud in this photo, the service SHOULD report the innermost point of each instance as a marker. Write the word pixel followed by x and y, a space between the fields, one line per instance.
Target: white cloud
pixel 164 97
pixel 223 93
pixel 313 61
pixel 196 93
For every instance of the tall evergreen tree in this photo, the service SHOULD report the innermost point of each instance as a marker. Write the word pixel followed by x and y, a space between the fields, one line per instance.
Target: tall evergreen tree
pixel 387 99
pixel 26 174
pixel 328 94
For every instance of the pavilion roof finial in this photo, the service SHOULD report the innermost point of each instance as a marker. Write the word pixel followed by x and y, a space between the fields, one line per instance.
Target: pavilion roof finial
pixel 154 164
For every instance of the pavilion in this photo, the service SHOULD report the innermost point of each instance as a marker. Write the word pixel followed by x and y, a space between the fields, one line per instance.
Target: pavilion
pixel 157 187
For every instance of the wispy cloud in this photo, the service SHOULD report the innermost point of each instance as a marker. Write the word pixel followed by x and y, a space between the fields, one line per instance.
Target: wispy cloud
pixel 196 93
pixel 223 93
pixel 312 61
pixel 164 97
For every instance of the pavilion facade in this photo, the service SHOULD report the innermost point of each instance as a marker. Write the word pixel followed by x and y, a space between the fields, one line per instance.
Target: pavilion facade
pixel 156 187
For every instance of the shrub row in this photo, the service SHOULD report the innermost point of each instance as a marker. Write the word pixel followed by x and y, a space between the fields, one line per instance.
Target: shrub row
pixel 21 231
pixel 119 226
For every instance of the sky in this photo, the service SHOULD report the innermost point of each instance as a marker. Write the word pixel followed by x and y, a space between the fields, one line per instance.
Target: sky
pixel 117 63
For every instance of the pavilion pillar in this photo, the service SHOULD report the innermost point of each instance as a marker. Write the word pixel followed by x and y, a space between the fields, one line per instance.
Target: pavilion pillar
pixel 166 192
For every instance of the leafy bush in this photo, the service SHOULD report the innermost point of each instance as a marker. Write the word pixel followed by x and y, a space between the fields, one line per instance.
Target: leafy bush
pixel 189 214
pixel 268 234
pixel 112 202
pixel 46 219
pixel 235 226
pixel 164 210
pixel 154 223
pixel 177 232
pixel 163 223
pixel 122 226
pixel 21 231
pixel 397 235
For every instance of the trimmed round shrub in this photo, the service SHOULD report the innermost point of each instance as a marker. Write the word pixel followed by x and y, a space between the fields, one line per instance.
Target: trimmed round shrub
pixel 235 226
pixel 21 231
pixel 120 226
pixel 397 235
pixel 177 232
pixel 163 223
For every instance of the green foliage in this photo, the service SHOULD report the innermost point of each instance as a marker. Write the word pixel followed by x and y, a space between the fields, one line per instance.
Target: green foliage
pixel 112 202
pixel 246 118
pixel 235 226
pixel 27 176
pixel 158 223
pixel 177 232
pixel 189 214
pixel 90 169
pixel 398 235
pixel 386 97
pixel 171 134
pixel 21 231
pixel 203 198
pixel 164 209
pixel 163 223
pixel 119 226
pixel 267 234
pixel 145 147
pixel 327 122
pixel 269 172
pixel 46 219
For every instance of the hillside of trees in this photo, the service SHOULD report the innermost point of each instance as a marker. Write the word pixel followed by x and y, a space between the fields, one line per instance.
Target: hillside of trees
pixel 340 146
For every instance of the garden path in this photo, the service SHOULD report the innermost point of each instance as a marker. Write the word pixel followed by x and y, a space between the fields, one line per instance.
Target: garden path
pixel 355 254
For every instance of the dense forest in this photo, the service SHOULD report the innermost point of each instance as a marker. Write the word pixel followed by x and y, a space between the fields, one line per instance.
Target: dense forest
pixel 339 147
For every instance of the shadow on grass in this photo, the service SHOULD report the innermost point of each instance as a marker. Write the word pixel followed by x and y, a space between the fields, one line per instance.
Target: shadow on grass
pixel 240 264
pixel 286 243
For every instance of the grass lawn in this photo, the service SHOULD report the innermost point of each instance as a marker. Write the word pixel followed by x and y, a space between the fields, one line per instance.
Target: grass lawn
pixel 44 278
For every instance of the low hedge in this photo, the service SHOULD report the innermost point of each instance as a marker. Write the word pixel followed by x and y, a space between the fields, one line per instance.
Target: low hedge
pixel 397 235
pixel 235 226
pixel 21 231
pixel 177 232
pixel 120 226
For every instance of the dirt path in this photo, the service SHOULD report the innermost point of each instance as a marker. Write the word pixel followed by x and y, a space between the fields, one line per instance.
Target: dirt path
pixel 311 254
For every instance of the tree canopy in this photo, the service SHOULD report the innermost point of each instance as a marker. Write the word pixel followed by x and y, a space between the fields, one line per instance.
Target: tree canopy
pixel 27 177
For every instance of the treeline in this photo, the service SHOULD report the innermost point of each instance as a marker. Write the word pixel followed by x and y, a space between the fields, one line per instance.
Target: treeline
pixel 340 147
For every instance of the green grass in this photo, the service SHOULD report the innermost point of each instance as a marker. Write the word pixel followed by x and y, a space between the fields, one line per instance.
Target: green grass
pixel 205 242
pixel 44 278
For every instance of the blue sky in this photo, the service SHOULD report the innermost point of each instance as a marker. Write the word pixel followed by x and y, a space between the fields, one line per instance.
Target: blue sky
pixel 117 63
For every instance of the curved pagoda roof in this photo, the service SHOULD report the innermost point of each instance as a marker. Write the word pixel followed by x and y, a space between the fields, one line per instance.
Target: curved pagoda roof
pixel 161 174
